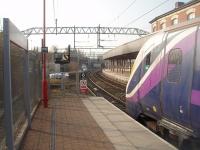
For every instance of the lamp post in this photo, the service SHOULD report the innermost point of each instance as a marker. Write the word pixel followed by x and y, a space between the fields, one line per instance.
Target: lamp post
pixel 44 80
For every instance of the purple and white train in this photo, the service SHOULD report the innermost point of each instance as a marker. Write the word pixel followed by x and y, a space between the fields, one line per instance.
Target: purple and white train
pixel 165 81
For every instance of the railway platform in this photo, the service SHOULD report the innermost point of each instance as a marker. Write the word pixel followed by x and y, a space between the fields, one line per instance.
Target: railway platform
pixel 73 121
pixel 118 76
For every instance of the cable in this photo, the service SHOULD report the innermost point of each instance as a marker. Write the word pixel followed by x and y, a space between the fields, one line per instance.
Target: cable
pixel 126 9
pixel 120 14
pixel 146 13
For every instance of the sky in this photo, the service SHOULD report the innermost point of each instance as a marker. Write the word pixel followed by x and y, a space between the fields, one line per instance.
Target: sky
pixel 113 13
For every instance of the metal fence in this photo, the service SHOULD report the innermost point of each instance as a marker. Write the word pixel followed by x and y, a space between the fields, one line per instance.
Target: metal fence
pixel 20 77
pixel 2 131
pixel 35 77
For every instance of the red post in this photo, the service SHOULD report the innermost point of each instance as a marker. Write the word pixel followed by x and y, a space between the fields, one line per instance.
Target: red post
pixel 44 83
pixel 44 80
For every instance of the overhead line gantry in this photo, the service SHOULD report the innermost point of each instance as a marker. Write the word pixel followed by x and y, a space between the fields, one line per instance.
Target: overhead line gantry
pixel 86 30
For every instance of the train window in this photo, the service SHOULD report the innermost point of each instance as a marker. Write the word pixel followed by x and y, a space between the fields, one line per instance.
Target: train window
pixel 155 52
pixel 147 62
pixel 174 65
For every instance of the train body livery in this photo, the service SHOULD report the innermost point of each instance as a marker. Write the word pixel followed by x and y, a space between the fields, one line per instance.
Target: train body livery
pixel 165 81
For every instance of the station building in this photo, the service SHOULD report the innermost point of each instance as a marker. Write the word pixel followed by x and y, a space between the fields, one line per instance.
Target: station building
pixel 181 13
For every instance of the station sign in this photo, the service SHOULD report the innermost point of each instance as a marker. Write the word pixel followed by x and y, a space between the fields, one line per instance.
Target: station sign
pixel 83 86
pixel 45 49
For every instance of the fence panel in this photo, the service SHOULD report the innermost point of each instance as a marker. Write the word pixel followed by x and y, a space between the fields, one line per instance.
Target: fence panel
pixel 17 83
pixel 34 78
pixel 2 130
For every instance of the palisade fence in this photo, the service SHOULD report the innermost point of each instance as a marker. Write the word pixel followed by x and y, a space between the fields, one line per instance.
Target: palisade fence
pixel 20 78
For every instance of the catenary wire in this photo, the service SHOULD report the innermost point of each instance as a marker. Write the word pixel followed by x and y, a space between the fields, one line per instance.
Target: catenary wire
pixel 122 12
pixel 146 13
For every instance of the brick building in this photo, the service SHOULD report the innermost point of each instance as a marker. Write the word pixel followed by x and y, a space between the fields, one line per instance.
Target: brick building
pixel 182 12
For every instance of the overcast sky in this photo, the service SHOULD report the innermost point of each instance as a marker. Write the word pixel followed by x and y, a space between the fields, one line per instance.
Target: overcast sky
pixel 28 13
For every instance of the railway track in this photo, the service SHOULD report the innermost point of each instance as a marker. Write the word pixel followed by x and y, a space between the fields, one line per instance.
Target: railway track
pixel 110 90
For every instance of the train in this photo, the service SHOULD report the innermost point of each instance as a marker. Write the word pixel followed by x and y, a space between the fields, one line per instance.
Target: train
pixel 165 81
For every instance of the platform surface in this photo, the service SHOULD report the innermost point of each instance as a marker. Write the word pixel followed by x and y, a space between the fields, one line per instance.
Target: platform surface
pixel 76 122
pixel 118 76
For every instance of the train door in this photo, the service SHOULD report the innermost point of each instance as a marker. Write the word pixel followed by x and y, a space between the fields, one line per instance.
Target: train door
pixel 149 92
pixel 177 75
pixel 195 96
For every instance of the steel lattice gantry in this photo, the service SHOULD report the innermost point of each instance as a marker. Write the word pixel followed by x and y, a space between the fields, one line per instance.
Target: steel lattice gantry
pixel 86 30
